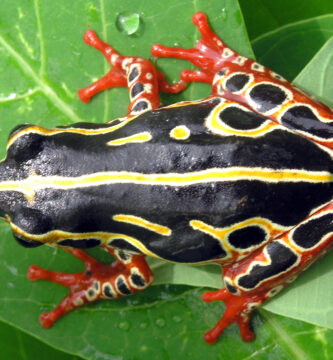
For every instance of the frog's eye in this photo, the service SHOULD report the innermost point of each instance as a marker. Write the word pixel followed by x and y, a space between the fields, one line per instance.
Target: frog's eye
pixel 28 243
pixel 25 147
pixel 31 221
pixel 17 129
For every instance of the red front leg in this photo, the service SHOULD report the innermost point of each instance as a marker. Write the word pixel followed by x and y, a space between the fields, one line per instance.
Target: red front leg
pixel 129 274
pixel 141 77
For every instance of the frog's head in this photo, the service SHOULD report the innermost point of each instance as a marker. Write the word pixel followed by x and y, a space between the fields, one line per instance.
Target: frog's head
pixel 17 191
pixel 38 178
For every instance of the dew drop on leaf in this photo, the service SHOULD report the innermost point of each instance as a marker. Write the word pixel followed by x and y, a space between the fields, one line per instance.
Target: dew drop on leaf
pixel 129 23
pixel 143 325
pixel 160 322
pixel 224 13
pixel 124 325
pixel 177 319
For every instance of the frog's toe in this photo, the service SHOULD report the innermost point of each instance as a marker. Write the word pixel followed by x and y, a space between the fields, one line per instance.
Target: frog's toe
pixel 70 302
pixel 238 310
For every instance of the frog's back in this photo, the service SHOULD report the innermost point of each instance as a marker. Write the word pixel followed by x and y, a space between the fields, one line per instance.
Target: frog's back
pixel 191 182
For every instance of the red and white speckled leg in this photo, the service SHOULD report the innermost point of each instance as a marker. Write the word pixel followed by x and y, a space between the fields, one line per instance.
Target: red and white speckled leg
pixel 141 77
pixel 240 79
pixel 129 274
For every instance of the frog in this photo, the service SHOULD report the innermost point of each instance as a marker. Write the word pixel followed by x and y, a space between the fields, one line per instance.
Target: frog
pixel 241 179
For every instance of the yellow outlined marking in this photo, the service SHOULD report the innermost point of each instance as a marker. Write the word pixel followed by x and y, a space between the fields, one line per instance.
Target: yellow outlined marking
pixel 267 261
pixel 135 220
pixel 218 127
pixel 221 234
pixel 187 103
pixel 54 236
pixel 181 132
pixel 34 183
pixel 49 132
pixel 136 138
pixel 289 239
pixel 255 104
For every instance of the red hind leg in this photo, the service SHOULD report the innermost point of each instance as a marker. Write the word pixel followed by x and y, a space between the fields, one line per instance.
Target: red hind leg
pixel 235 312
pixel 141 77
pixel 126 276
pixel 268 270
pixel 242 80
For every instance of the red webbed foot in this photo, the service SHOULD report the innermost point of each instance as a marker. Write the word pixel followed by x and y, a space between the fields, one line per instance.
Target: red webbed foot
pixel 128 275
pixel 238 310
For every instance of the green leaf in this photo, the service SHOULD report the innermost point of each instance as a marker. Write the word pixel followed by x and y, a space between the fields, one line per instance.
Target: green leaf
pixel 45 62
pixel 316 77
pixel 289 48
pixel 16 345
pixel 263 16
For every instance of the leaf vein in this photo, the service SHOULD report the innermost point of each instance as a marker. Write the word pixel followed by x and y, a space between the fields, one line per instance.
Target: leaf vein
pixel 47 90
pixel 41 39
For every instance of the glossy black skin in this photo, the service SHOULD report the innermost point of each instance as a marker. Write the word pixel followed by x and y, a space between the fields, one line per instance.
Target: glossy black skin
pixel 219 204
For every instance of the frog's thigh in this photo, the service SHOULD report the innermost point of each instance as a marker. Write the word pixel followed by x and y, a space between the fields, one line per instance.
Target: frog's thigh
pixel 280 261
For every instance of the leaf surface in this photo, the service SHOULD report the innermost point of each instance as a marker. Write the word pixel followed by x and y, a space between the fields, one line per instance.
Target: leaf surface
pixel 45 62
pixel 16 345
pixel 262 16
pixel 289 48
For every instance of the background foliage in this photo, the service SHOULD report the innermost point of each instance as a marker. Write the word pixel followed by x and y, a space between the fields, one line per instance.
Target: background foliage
pixel 43 62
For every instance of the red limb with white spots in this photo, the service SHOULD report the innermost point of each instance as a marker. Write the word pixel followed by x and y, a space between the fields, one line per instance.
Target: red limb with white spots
pixel 243 80
pixel 128 275
pixel 268 270
pixel 141 77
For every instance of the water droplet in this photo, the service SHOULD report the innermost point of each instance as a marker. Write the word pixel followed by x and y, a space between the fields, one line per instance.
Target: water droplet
pixel 124 325
pixel 144 348
pixel 129 23
pixel 177 319
pixel 160 322
pixel 13 270
pixel 176 44
pixel 143 325
pixel 224 13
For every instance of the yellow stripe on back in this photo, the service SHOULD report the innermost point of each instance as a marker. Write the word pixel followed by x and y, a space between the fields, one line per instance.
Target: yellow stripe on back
pixel 49 132
pixel 136 138
pixel 135 220
pixel 35 183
